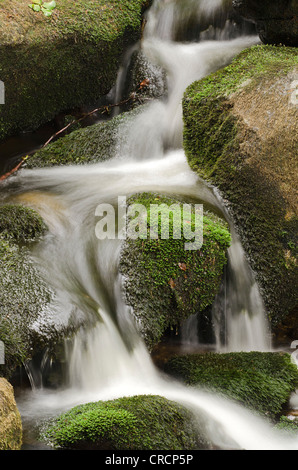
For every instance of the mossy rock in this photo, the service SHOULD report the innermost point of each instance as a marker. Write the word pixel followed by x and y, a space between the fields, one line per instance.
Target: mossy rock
pixel 24 295
pixel 20 224
pixel 95 143
pixel 164 282
pixel 143 422
pixel 262 382
pixel 50 65
pixel 239 135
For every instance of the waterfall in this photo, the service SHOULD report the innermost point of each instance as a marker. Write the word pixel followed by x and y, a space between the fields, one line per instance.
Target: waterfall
pixel 108 357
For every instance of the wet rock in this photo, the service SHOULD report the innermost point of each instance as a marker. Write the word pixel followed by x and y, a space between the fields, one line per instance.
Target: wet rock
pixel 240 130
pixel 10 419
pixel 276 20
pixel 49 65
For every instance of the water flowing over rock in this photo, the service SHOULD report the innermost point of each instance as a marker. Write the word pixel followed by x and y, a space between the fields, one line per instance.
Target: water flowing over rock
pixel 240 130
pixel 276 20
pixel 10 419
pixel 82 204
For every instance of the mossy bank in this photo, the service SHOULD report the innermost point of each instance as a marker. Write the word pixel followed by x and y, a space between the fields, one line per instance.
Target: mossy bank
pixel 240 128
pixel 50 65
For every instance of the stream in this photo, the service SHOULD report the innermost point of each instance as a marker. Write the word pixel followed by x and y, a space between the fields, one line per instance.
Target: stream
pixel 108 358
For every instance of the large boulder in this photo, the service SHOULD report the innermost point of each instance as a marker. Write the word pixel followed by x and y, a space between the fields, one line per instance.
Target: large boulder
pixel 165 283
pixel 262 382
pixel 143 422
pixel 240 131
pixel 10 419
pixel 53 64
pixel 276 20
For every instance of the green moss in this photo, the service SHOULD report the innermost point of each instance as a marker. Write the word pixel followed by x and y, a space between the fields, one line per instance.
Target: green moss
pixel 23 294
pixel 261 381
pixel 52 65
pixel 20 224
pixel 95 143
pixel 165 283
pixel 250 172
pixel 142 422
pixel 251 64
pixel 289 426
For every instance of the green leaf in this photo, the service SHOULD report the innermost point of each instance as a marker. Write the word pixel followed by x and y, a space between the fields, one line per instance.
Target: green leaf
pixel 35 7
pixel 49 5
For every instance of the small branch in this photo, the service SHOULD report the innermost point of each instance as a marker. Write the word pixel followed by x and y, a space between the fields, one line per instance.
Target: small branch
pixel 6 175
pixel 103 109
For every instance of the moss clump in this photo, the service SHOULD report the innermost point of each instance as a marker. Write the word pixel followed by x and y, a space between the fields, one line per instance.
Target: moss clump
pixel 289 426
pixel 164 282
pixel 143 422
pixel 49 65
pixel 20 224
pixel 260 381
pixel 239 134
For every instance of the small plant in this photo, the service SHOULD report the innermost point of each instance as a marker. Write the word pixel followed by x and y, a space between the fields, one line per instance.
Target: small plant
pixel 46 7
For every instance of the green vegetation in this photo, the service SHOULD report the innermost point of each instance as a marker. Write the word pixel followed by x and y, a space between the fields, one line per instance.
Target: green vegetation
pixel 230 142
pixel 246 69
pixel 143 422
pixel 55 64
pixel 20 224
pixel 288 425
pixel 91 144
pixel 260 381
pixel 45 7
pixel 165 283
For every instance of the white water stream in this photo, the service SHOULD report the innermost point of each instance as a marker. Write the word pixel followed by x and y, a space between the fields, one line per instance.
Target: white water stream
pixel 108 358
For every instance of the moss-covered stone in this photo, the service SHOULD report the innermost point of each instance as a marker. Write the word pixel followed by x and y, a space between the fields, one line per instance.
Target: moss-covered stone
pixel 10 419
pixel 95 143
pixel 239 134
pixel 164 282
pixel 49 65
pixel 20 224
pixel 143 422
pixel 260 381
pixel 24 295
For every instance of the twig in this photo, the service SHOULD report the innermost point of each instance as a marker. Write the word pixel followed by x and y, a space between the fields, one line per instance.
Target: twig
pixel 103 109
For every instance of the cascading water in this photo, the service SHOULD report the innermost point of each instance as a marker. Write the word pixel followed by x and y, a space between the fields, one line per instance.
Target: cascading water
pixel 108 358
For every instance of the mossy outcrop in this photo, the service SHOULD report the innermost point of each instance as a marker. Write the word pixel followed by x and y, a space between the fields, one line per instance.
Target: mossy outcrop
pixel 262 382
pixel 10 420
pixel 50 65
pixel 240 135
pixel 164 282
pixel 143 422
